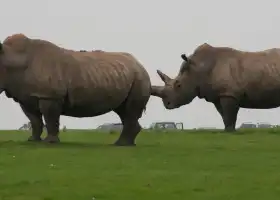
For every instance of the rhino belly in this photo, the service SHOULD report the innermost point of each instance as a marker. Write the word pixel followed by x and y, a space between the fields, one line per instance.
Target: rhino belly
pixel 94 102
pixel 261 99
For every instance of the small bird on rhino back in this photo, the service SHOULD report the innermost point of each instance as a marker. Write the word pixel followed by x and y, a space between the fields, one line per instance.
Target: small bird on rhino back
pixel 228 78
pixel 49 81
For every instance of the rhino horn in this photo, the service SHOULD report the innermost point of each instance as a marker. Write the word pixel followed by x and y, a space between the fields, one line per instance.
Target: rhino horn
pixel 157 91
pixel 163 77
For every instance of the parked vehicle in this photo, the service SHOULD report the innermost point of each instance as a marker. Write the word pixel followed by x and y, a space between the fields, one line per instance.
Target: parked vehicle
pixel 111 127
pixel 257 125
pixel 248 125
pixel 166 125
pixel 265 125
pixel 206 128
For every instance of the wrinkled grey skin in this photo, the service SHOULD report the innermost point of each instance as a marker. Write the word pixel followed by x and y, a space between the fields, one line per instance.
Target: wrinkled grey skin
pixel 49 81
pixel 228 78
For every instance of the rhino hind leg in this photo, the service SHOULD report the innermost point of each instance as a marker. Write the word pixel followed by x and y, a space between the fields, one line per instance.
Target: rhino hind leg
pixel 131 128
pixel 51 110
pixel 228 108
pixel 130 111
pixel 35 118
pixel 129 116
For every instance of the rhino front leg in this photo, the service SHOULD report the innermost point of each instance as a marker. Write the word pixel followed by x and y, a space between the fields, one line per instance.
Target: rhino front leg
pixel 36 121
pixel 228 108
pixel 51 110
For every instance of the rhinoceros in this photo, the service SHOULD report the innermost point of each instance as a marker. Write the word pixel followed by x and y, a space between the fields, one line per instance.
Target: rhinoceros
pixel 229 78
pixel 49 81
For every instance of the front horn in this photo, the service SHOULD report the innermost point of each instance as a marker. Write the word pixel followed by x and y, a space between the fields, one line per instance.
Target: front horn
pixel 157 91
pixel 163 77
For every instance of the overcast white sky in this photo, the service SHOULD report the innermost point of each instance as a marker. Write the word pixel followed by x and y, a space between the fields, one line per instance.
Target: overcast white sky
pixel 156 32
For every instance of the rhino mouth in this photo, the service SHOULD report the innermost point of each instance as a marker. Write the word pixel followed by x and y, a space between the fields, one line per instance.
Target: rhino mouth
pixel 169 105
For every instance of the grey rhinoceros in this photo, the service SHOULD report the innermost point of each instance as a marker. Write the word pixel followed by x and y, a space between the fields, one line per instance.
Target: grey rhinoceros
pixel 50 81
pixel 228 78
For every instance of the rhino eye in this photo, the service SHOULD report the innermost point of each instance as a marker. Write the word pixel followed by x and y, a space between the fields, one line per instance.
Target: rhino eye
pixel 177 84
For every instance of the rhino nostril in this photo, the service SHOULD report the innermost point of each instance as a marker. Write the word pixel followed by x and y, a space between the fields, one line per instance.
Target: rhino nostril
pixel 168 103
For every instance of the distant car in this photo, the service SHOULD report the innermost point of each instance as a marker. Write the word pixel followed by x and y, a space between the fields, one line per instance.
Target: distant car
pixel 110 127
pixel 264 125
pixel 248 125
pixel 206 128
pixel 166 125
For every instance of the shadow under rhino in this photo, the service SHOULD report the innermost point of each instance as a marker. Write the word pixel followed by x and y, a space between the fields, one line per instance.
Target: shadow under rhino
pixel 228 78
pixel 49 81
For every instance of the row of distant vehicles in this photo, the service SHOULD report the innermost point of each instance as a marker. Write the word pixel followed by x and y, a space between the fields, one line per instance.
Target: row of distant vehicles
pixel 118 126
pixel 177 126
pixel 156 125
pixel 111 127
pixel 257 125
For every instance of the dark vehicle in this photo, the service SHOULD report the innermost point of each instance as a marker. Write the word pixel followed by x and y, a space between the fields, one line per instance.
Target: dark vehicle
pixel 166 125
pixel 265 125
pixel 110 127
pixel 248 125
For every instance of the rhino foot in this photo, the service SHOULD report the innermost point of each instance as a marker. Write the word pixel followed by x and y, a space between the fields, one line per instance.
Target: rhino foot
pixel 230 130
pixel 52 139
pixel 34 139
pixel 124 143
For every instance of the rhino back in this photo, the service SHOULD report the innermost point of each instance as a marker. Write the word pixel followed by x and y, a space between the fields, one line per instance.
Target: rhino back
pixel 254 77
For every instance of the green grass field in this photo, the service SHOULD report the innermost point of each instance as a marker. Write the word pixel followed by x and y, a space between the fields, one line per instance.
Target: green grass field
pixel 166 166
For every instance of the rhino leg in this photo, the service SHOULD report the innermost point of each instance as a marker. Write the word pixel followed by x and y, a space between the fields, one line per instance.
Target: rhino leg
pixel 131 111
pixel 228 108
pixel 219 108
pixel 131 128
pixel 51 110
pixel 35 118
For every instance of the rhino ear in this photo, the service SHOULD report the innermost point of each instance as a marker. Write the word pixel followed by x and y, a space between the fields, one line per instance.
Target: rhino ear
pixel 188 60
pixel 184 57
pixel 1 47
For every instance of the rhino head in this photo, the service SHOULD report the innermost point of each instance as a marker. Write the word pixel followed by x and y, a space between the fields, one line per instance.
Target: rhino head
pixel 180 90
